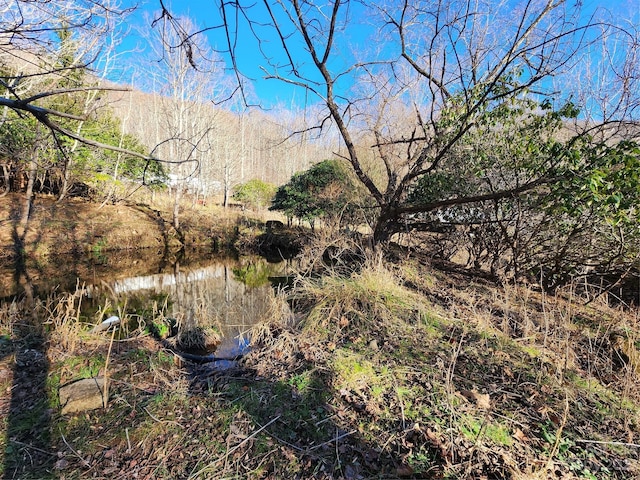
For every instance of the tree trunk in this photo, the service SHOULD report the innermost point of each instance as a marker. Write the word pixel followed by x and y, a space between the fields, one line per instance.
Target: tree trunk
pixel 64 188
pixel 386 226
pixel 28 202
pixel 7 181
pixel 176 208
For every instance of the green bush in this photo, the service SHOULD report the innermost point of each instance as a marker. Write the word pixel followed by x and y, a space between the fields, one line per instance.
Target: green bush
pixel 255 193
pixel 325 191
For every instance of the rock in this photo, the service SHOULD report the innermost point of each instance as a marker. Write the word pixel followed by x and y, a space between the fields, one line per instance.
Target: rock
pixel 274 225
pixel 83 395
pixel 373 345
pixel 106 325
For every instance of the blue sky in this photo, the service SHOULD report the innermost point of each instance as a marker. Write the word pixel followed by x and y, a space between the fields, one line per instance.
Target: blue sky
pixel 270 92
pixel 205 14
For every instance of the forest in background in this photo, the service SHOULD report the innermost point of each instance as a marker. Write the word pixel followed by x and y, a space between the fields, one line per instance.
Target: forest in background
pixel 204 149
pixel 241 147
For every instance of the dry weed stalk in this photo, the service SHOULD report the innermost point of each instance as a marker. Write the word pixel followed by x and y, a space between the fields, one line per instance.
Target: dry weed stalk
pixel 10 314
pixel 105 397
pixel 586 332
pixel 63 317
pixel 275 339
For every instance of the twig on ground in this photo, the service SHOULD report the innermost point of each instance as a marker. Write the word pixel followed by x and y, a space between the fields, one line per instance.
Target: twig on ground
pixel 31 447
pixel 126 431
pixel 84 462
pixel 335 439
pixel 162 421
pixel 600 442
pixel 229 452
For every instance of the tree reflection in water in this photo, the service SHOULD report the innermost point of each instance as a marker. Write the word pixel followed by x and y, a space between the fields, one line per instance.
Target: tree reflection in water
pixel 214 307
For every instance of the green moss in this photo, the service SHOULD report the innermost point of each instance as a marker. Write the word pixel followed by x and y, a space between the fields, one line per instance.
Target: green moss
pixel 162 359
pixel 354 372
pixel 532 351
pixel 474 428
pixel 83 366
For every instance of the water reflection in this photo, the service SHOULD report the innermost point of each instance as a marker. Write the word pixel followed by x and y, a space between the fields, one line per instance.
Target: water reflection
pixel 212 301
pixel 213 306
pixel 63 273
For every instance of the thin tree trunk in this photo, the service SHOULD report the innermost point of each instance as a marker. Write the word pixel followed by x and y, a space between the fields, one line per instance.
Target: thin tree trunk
pixel 176 208
pixel 7 181
pixel 28 201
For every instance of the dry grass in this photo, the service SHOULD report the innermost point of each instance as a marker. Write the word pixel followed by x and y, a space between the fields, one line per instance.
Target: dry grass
pixel 343 305
pixel 565 330
pixel 10 313
pixel 62 316
pixel 384 371
pixel 482 346
pixel 567 344
pixel 275 340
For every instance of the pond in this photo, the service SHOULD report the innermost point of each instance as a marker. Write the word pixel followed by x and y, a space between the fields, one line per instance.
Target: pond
pixel 198 304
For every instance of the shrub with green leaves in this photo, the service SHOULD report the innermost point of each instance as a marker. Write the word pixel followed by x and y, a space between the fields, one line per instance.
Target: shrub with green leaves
pixel 325 191
pixel 255 193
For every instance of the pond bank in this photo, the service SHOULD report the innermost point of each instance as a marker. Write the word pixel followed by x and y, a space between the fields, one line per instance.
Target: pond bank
pixel 375 381
pixel 80 226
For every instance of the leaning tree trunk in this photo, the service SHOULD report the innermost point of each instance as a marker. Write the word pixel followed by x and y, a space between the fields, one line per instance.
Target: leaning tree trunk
pixel 386 226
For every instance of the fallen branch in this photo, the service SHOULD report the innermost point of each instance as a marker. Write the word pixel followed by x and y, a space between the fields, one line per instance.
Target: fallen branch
pixel 600 442
pixel 84 462
pixel 229 452
pixel 31 447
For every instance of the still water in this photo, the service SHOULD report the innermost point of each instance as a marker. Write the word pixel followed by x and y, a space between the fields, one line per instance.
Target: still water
pixel 205 304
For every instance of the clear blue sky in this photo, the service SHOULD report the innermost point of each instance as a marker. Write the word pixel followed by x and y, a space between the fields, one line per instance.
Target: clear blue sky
pixel 205 14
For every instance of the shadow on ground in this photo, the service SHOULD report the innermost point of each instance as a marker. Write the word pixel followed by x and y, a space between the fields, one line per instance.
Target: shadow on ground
pixel 27 451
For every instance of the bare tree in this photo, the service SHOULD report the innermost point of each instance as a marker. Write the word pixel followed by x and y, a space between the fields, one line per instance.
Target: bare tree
pixel 447 66
pixel 185 106
pixel 31 57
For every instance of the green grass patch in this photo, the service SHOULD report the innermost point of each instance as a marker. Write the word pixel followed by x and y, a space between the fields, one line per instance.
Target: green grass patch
pixel 79 367
pixel 483 428
pixel 354 372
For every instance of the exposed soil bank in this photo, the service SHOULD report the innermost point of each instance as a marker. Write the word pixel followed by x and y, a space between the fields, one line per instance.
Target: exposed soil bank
pixel 80 226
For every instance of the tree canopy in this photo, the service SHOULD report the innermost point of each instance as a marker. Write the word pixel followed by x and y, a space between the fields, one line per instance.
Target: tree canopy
pixel 325 191
pixel 45 48
pixel 255 193
pixel 54 126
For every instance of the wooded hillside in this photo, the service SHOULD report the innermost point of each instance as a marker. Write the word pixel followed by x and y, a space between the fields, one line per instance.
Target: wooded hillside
pixel 240 146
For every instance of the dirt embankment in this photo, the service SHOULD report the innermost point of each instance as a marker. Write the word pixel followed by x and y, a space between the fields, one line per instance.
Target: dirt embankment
pixel 80 226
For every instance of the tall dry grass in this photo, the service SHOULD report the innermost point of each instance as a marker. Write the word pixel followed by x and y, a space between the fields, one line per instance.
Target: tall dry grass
pixel 10 315
pixel 573 330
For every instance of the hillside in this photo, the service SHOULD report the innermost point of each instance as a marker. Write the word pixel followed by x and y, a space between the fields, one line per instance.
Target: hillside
pixel 77 225
pixel 240 146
